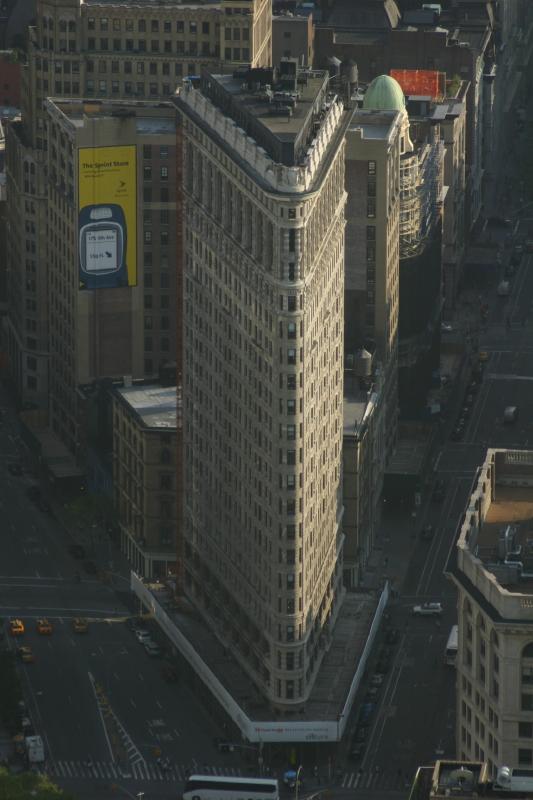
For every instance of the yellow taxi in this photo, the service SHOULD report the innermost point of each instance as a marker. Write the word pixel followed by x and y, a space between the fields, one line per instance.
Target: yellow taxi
pixel 26 655
pixel 16 627
pixel 483 356
pixel 44 627
pixel 80 625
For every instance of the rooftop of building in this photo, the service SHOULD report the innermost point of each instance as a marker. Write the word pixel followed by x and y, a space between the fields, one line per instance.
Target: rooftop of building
pixel 154 405
pixel 464 780
pixel 494 554
pixel 506 536
pixel 151 117
pixel 373 124
pixel 280 108
pixel 156 4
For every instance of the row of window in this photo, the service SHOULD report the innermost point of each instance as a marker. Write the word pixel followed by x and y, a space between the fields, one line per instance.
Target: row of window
pixel 154 46
pixel 155 26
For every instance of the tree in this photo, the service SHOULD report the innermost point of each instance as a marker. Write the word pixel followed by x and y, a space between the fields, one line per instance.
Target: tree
pixel 29 786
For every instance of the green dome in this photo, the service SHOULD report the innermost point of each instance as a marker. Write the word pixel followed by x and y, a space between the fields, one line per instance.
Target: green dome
pixel 384 94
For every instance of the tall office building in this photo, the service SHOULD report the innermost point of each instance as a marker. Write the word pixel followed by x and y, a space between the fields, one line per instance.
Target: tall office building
pixel 263 264
pixel 91 49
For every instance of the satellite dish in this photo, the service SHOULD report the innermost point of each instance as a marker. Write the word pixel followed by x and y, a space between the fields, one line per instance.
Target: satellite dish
pixel 462 776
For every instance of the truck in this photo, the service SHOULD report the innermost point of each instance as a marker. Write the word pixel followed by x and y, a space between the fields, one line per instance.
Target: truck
pixel 34 749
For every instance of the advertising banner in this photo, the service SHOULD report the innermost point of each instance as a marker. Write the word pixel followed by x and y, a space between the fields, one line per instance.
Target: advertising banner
pixel 107 217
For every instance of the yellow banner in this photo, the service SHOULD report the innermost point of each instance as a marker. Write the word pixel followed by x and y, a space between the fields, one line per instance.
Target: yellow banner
pixel 107 216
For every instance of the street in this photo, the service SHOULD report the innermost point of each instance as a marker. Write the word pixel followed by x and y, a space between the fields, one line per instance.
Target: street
pixel 152 717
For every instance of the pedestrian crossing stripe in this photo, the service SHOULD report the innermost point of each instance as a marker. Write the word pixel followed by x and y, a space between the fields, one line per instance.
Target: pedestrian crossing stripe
pixel 363 780
pixel 135 770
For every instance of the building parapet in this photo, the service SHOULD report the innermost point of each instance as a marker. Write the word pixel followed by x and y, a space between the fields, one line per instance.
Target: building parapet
pixel 281 178
pixel 513 605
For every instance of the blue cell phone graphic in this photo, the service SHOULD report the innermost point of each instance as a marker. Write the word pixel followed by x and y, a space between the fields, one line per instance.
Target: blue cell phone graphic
pixel 103 241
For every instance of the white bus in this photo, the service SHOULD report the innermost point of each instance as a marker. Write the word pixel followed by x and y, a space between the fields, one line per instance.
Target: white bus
pixel 450 654
pixel 216 787
pixel 511 779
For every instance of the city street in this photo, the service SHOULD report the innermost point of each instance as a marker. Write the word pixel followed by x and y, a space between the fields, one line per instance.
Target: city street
pixel 38 580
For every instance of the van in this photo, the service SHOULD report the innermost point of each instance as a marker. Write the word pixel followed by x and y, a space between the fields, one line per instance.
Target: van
pixel 510 414
pixel 503 289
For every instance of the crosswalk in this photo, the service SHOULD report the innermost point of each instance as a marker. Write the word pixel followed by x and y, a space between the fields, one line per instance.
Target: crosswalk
pixel 135 770
pixel 373 780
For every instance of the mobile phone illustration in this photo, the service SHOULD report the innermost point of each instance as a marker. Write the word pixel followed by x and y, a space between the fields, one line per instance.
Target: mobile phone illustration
pixel 103 245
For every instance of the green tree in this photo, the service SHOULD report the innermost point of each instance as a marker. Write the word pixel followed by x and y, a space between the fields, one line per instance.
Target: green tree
pixel 29 786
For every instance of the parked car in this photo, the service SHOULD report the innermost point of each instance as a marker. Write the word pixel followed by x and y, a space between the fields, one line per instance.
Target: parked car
pixel 16 627
pixel 392 635
pixel 222 745
pixel 427 533
pixel 367 709
pixel 80 625
pixel 428 610
pixel 439 490
pixel 44 627
pixel 357 752
pixel 143 635
pixel 446 327
pixel 15 468
pixel 469 399
pixel 457 434
pixel 152 648
pixel 377 679
pixel 77 551
pixel 26 655
pixel 361 734
pixel 371 694
pixel 170 673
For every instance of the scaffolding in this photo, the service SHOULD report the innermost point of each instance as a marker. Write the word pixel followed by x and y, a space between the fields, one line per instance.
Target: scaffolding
pixel 421 177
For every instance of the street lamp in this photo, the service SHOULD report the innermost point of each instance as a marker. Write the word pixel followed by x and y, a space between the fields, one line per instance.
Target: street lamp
pixel 297 781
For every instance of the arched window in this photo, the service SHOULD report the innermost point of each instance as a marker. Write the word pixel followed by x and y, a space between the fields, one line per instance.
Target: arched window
pixel 527 652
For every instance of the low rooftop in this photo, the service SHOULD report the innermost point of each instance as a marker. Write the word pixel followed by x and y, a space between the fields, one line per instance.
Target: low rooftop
pixel 151 117
pixel 155 406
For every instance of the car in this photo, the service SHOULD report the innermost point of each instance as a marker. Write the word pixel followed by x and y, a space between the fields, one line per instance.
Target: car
pixel 377 679
pixel 367 709
pixel 446 327
pixel 77 551
pixel 80 625
pixel 469 399
pixel 482 356
pixel 465 412
pixel 143 635
pixel 361 734
pixel 16 627
pixel 151 648
pixel 26 655
pixel 44 505
pixel 371 694
pixel 90 567
pixel 169 673
pixel 518 249
pixel 44 627
pixel 510 415
pixel 426 534
pixel 34 493
pixel 439 491
pixel 392 635
pixel 222 745
pixel 499 222
pixel 357 752
pixel 134 624
pixel 428 610
pixel 15 468
pixel 457 434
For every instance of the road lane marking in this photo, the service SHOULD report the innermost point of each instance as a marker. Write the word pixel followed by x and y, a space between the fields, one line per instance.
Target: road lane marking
pixel 159 704
pixel 92 681
pixel 133 703
pixel 141 676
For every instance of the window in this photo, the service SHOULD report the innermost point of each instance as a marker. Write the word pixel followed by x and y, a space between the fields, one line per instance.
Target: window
pixel 291 407
pixel 205 27
pixel 291 434
pixel 525 730
pixel 180 26
pixel 154 26
pixel 147 173
pixel 291 356
pixel 527 702
pixel 163 151
pixel 147 151
pixel 193 27
pixel 371 167
pixel 290 638
pixel 525 756
pixel 164 173
pixel 371 207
